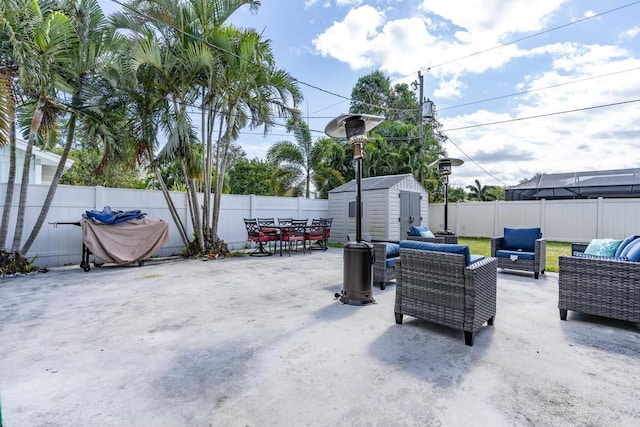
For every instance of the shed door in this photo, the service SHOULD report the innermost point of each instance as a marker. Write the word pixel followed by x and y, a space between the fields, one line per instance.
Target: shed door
pixel 409 211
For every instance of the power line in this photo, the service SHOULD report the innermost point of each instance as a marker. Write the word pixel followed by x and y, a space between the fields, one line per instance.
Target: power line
pixel 530 36
pixel 476 163
pixel 524 92
pixel 557 113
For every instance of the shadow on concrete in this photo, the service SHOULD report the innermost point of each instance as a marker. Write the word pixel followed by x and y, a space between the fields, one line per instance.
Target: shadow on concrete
pixel 435 353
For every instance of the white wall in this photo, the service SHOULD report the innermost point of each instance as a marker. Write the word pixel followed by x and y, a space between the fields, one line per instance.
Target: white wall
pixel 62 245
pixel 560 220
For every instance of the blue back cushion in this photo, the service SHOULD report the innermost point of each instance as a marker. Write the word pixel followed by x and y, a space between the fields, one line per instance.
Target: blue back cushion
pixel 625 251
pixel 625 243
pixel 416 230
pixel 393 250
pixel 438 247
pixel 521 238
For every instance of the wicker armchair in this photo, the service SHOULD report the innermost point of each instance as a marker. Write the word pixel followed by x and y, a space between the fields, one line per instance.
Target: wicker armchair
pixel 384 266
pixel 602 287
pixel 528 256
pixel 439 287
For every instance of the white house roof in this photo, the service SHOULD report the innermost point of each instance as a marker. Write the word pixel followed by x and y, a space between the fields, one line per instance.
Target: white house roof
pixel 46 158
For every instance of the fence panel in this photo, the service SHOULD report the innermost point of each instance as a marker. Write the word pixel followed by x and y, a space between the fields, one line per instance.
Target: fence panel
pixel 62 245
pixel 574 220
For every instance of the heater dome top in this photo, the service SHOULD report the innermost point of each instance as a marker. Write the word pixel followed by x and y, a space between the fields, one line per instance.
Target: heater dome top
pixel 336 127
pixel 446 160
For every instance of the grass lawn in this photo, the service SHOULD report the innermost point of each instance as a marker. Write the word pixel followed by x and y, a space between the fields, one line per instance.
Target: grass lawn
pixel 482 246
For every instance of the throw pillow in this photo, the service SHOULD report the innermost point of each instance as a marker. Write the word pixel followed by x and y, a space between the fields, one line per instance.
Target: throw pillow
pixel 416 230
pixel 625 243
pixel 634 253
pixel 427 233
pixel 624 251
pixel 603 247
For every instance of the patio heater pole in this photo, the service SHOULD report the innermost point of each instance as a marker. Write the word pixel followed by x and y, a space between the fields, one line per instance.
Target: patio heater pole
pixel 358 255
pixel 445 179
pixel 444 169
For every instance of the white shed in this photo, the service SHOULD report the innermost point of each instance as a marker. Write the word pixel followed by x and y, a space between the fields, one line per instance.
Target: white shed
pixel 390 205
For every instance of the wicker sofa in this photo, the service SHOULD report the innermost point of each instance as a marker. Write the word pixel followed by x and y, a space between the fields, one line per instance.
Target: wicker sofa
pixel 605 287
pixel 521 249
pixel 444 284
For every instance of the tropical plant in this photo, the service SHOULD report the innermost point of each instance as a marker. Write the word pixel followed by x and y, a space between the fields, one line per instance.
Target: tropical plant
pixel 297 161
pixel 40 43
pixel 482 193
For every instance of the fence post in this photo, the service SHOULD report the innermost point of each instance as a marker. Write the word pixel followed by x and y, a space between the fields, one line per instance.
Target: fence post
pixel 496 218
pixel 99 198
pixel 252 206
pixel 543 215
pixel 600 218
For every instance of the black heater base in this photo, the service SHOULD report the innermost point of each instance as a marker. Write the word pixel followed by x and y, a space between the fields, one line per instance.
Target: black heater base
pixel 358 274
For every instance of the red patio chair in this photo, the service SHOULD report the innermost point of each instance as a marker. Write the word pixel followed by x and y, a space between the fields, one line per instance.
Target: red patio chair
pixel 267 226
pixel 316 233
pixel 295 234
pixel 256 235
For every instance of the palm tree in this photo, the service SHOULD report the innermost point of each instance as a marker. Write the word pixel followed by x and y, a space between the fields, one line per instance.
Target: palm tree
pixel 297 161
pixel 9 50
pixel 230 72
pixel 480 192
pixel 90 56
pixel 254 93
pixel 43 41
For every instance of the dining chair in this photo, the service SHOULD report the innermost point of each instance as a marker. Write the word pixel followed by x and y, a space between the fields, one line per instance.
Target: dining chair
pixel 267 226
pixel 257 236
pixel 315 235
pixel 294 234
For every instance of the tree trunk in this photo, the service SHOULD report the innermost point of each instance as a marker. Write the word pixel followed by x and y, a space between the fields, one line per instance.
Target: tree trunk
pixel 53 187
pixel 11 180
pixel 221 158
pixel 193 207
pixel 172 208
pixel 24 184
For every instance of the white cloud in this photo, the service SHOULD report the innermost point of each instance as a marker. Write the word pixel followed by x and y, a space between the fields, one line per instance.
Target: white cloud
pixel 494 18
pixel 348 41
pixel 630 33
pixel 459 44
pixel 348 2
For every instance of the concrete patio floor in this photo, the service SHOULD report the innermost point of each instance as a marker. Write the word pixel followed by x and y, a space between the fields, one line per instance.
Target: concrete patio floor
pixel 262 342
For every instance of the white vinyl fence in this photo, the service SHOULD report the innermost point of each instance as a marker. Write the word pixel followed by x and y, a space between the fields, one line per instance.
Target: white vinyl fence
pixel 62 245
pixel 560 220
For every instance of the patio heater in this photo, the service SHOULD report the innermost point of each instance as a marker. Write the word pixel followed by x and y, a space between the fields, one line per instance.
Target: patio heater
pixel 358 255
pixel 444 169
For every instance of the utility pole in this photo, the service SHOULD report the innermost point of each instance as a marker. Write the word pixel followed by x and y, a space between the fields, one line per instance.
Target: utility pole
pixel 420 125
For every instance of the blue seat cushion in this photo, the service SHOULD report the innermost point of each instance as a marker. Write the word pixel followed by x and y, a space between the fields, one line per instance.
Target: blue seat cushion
pixel 504 253
pixel 521 238
pixel 438 247
pixel 415 230
pixel 390 262
pixel 392 250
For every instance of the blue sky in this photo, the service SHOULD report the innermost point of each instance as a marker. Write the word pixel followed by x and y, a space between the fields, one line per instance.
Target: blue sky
pixel 475 55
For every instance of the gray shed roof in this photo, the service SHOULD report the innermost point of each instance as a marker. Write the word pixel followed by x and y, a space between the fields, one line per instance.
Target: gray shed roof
pixel 373 183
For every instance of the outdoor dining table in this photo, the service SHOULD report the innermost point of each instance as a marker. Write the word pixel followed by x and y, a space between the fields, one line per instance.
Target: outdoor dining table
pixel 280 228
